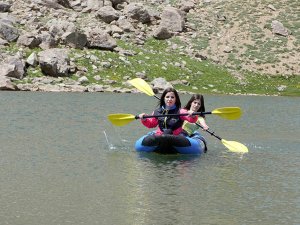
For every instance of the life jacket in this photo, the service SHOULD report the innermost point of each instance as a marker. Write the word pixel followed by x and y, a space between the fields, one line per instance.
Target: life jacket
pixel 190 128
pixel 170 123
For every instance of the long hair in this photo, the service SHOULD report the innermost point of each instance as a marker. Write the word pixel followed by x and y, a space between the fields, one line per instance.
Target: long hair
pixel 196 97
pixel 166 91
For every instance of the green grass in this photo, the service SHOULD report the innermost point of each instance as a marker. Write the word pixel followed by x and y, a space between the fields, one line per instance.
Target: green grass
pixel 206 76
pixel 269 85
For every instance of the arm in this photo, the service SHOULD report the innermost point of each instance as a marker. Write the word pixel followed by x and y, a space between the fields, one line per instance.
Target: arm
pixel 202 122
pixel 189 118
pixel 148 122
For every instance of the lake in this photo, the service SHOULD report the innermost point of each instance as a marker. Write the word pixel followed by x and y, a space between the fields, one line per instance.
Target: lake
pixel 62 162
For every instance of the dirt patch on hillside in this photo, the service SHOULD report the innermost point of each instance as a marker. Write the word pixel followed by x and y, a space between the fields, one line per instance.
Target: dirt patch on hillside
pixel 241 37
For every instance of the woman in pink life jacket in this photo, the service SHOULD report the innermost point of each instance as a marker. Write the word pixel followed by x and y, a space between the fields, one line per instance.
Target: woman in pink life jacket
pixel 169 104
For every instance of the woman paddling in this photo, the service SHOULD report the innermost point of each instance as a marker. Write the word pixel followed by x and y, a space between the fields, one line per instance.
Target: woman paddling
pixel 169 104
pixel 195 104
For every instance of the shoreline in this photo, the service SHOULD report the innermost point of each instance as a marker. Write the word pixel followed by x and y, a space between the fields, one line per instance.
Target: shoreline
pixel 65 88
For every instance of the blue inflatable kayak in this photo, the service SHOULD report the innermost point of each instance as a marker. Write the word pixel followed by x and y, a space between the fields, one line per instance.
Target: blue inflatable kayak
pixel 171 144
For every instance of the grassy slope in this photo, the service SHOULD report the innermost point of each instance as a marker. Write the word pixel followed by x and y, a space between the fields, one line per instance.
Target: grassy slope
pixel 155 59
pixel 248 69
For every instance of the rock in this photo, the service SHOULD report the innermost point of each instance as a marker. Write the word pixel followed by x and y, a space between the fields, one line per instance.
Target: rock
pixel 227 49
pixel 172 19
pixel 29 40
pixel 75 39
pixel 125 25
pixel 115 3
pixel 55 4
pixel 162 33
pixel 83 80
pixel 47 40
pixel 279 29
pixel 101 40
pixel 54 62
pixel 138 12
pixel 57 27
pixel 8 32
pixel 3 42
pixel 116 30
pixel 281 87
pixel 271 7
pixel 186 5
pixel 27 87
pixel 6 84
pixel 13 67
pixel 160 84
pixel 32 60
pixel 108 14
pixel 4 7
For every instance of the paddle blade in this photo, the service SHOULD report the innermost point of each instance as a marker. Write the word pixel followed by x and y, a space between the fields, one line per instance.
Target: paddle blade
pixel 120 119
pixel 230 113
pixel 141 85
pixel 234 146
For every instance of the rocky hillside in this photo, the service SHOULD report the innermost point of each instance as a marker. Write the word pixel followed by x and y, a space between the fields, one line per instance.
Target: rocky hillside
pixel 42 40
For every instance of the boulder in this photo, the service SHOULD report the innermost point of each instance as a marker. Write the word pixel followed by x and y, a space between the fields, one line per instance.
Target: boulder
pixel 138 12
pixel 172 19
pixel 54 62
pixel 8 32
pixel 13 67
pixel 108 14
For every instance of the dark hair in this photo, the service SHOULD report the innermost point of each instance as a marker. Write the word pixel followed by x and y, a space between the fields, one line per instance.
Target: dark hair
pixel 166 91
pixel 195 97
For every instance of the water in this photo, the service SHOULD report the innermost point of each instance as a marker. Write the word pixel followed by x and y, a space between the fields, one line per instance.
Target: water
pixel 62 162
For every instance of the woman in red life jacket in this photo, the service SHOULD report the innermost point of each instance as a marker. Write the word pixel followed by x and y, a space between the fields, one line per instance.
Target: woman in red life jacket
pixel 169 104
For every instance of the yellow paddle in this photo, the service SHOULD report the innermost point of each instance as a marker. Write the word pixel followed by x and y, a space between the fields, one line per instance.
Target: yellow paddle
pixel 230 113
pixel 232 146
pixel 121 119
pixel 142 85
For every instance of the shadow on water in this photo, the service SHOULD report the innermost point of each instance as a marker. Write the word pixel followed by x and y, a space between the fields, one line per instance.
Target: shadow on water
pixel 171 159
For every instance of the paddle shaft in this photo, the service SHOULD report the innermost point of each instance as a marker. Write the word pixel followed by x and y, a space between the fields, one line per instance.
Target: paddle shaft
pixel 210 132
pixel 167 115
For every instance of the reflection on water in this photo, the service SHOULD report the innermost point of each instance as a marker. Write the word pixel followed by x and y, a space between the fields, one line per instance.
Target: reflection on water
pixel 161 159
pixel 62 162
